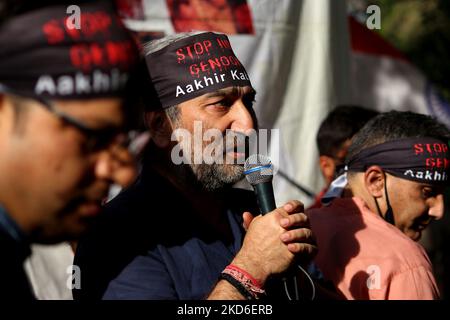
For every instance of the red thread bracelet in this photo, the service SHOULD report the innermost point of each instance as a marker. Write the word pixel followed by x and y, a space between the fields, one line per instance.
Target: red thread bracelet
pixel 248 283
pixel 248 275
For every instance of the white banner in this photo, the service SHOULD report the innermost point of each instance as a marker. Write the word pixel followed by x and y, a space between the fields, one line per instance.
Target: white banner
pixel 297 56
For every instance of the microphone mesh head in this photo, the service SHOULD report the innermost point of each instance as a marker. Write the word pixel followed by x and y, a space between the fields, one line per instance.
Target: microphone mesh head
pixel 258 169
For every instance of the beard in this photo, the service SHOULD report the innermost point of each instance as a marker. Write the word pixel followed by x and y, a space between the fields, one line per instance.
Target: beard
pixel 219 174
pixel 214 176
pixel 217 171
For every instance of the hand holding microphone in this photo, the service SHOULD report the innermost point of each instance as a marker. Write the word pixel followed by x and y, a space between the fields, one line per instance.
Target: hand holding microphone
pixel 278 237
pixel 296 225
pixel 265 250
pixel 263 253
pixel 274 241
pixel 259 173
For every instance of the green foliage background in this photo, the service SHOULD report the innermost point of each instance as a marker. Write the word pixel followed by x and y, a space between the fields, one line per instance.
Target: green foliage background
pixel 420 29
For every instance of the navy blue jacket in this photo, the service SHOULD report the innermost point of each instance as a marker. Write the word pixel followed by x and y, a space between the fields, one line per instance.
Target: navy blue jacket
pixel 151 244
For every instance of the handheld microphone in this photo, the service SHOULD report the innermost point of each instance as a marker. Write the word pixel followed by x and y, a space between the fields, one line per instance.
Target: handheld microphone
pixel 259 173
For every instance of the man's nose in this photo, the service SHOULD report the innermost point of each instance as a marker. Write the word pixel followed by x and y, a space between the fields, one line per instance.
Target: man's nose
pixel 436 210
pixel 242 120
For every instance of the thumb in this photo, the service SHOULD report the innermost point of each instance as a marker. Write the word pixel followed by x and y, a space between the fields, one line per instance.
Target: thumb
pixel 248 217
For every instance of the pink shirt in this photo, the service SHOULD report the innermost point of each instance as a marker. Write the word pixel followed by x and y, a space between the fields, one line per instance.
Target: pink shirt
pixel 366 257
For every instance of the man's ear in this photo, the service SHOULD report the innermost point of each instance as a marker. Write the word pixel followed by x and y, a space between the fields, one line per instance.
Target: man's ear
pixel 327 167
pixel 374 180
pixel 159 126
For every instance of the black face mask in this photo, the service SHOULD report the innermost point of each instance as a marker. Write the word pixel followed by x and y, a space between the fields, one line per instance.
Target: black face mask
pixel 389 214
pixel 424 160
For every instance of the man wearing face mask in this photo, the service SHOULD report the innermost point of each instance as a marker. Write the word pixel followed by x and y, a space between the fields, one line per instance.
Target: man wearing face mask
pixel 397 170
pixel 177 233
pixel 63 126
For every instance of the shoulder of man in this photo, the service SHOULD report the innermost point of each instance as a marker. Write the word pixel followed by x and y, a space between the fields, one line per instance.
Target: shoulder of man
pixel 120 233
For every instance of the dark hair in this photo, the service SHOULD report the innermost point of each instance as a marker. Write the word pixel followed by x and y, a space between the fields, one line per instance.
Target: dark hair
pixel 396 125
pixel 340 125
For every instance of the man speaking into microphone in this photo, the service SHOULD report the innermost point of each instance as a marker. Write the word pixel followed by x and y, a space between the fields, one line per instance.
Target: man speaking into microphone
pixel 192 246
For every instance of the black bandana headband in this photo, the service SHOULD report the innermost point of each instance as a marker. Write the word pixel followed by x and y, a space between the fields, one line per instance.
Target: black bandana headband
pixel 193 66
pixel 42 55
pixel 425 160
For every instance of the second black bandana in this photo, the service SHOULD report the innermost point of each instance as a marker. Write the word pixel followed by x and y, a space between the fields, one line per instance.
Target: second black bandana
pixel 425 160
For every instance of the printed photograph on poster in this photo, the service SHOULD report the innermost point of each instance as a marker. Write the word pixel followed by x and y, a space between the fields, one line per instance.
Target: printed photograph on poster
pixel 227 16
